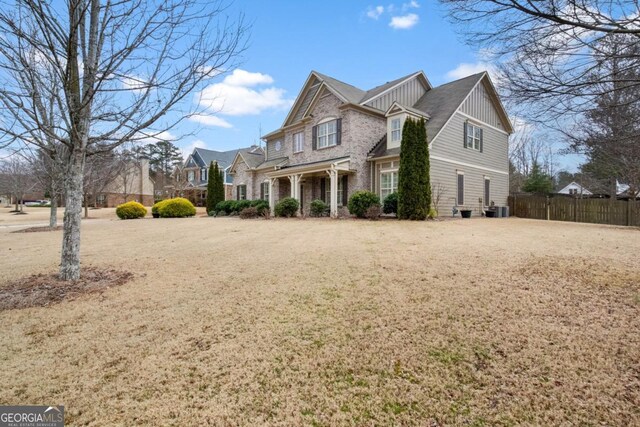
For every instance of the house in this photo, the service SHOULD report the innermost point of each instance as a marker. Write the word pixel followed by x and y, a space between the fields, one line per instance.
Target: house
pixel 133 183
pixel 575 189
pixel 338 139
pixel 196 169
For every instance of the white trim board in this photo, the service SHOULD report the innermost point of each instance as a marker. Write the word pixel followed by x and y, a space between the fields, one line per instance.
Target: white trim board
pixel 455 162
pixel 481 123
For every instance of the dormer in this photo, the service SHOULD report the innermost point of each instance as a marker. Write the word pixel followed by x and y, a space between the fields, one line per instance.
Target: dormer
pixel 396 116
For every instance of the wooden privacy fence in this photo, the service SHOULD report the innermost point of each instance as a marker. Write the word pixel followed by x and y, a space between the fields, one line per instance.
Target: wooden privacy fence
pixel 559 208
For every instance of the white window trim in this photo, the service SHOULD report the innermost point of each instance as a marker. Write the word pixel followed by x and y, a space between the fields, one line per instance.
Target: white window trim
pixel 191 176
pixel 398 130
pixel 295 149
pixel 388 171
pixel 464 184
pixel 266 189
pixel 326 123
pixel 474 138
pixel 328 191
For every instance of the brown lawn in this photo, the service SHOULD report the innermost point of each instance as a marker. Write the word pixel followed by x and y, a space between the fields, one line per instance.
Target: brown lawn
pixel 322 322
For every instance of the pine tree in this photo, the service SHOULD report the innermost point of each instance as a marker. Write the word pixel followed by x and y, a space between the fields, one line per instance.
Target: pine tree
pixel 414 188
pixel 538 182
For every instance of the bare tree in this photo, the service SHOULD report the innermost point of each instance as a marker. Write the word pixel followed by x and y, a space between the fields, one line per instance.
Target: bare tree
pixel 549 49
pixel 125 71
pixel 101 172
pixel 16 179
pixel 438 191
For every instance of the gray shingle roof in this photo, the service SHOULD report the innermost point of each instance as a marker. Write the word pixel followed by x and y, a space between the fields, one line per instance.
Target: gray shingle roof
pixel 349 92
pixel 441 102
pixel 224 158
pixel 253 156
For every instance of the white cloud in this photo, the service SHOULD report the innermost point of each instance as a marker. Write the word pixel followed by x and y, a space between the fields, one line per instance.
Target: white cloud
pixel 208 120
pixel 375 12
pixel 188 149
pixel 404 22
pixel 413 4
pixel 237 95
pixel 467 69
pixel 151 137
pixel 247 78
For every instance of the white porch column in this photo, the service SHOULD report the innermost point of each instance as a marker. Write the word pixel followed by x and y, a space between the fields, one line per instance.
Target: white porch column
pixel 272 196
pixel 333 175
pixel 295 187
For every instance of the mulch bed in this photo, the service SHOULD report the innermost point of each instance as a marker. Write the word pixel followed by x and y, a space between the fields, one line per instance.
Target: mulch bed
pixel 41 290
pixel 37 229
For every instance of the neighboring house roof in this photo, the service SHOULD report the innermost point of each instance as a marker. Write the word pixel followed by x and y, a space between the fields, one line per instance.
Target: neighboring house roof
pixel 441 102
pixel 274 163
pixel 575 186
pixel 203 157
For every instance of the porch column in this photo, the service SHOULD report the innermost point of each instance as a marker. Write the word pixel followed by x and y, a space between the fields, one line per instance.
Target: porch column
pixel 295 187
pixel 272 196
pixel 333 175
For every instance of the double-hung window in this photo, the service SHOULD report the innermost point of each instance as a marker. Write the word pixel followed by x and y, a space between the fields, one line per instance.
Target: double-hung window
pixel 241 192
pixel 264 191
pixel 396 130
pixel 191 176
pixel 298 142
pixel 388 183
pixel 474 137
pixel 327 134
pixel 340 190
pixel 203 174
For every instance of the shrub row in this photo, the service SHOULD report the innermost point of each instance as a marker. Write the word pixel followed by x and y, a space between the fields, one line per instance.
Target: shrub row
pixel 131 210
pixel 287 207
pixel 174 208
pixel 234 207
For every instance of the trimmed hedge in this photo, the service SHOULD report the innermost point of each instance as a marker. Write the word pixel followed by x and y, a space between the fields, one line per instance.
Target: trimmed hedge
pixel 287 207
pixel 175 208
pixel 391 204
pixel 231 207
pixel 318 208
pixel 361 201
pixel 131 210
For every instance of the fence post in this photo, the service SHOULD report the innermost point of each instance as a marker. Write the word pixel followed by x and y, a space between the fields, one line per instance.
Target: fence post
pixel 575 209
pixel 515 204
pixel 547 208
pixel 629 212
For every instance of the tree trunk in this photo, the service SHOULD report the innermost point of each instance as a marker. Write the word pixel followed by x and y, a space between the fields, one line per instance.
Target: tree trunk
pixel 53 213
pixel 86 206
pixel 70 258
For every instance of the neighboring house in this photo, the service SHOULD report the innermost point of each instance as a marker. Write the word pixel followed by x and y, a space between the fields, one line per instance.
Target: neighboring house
pixel 196 169
pixel 338 139
pixel 575 189
pixel 132 184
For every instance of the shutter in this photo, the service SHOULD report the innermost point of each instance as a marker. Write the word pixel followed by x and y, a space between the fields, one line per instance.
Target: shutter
pixel 314 138
pixel 487 191
pixel 345 190
pixel 464 140
pixel 262 191
pixel 323 189
pixel 460 189
pixel 338 131
pixel 481 140
pixel 238 192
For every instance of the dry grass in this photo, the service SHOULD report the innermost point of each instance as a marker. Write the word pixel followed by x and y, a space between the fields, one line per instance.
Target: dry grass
pixel 321 322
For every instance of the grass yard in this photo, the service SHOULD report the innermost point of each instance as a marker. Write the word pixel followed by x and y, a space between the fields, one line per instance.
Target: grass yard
pixel 324 323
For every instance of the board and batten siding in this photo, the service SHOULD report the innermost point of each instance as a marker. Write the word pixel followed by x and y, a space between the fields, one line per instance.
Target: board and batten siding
pixel 313 89
pixel 407 93
pixel 480 106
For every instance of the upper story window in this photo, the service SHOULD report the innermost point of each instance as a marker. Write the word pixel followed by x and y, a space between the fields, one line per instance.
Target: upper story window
pixel 396 130
pixel 203 174
pixel 327 134
pixel 191 176
pixel 473 134
pixel 298 142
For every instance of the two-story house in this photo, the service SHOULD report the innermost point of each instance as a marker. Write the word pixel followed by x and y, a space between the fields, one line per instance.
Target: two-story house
pixel 338 139
pixel 196 169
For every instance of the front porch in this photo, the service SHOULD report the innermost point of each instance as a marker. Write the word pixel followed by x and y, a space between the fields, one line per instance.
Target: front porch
pixel 325 180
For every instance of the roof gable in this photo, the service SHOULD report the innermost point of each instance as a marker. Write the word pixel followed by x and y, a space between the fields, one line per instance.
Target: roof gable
pixel 378 91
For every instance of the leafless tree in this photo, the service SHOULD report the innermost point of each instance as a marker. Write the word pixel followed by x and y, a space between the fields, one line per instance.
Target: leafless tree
pixel 16 179
pixel 125 73
pixel 437 191
pixel 548 50
pixel 100 173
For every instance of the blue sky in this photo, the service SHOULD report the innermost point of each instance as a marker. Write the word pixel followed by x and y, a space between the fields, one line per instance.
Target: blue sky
pixel 361 43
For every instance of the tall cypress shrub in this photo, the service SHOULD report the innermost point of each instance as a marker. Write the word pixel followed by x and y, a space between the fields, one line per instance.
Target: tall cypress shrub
pixel 414 188
pixel 219 184
pixel 211 187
